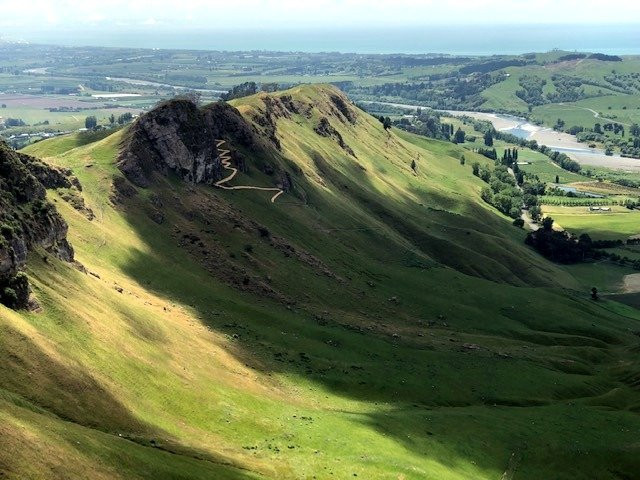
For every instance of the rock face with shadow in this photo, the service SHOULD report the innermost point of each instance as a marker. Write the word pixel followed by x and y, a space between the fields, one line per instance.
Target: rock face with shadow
pixel 178 137
pixel 173 137
pixel 27 220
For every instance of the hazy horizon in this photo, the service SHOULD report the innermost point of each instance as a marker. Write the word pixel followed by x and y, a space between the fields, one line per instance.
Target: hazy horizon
pixel 403 26
pixel 444 39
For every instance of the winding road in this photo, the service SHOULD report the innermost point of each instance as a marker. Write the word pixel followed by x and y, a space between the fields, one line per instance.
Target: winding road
pixel 225 158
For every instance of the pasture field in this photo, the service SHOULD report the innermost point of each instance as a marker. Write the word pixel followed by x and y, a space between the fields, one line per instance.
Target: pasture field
pixel 630 251
pixel 620 223
pixel 623 109
pixel 606 188
pixel 543 167
pixel 35 111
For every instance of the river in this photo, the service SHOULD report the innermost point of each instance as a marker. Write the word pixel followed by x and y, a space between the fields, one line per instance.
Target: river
pixel 560 141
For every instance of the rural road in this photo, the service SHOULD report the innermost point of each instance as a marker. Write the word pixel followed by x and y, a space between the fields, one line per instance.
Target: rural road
pixel 225 158
pixel 525 213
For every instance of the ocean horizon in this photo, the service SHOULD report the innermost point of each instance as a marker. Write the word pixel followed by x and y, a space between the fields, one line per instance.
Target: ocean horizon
pixel 621 39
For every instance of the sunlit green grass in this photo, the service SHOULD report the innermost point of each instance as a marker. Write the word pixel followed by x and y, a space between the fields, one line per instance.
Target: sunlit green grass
pixel 405 368
pixel 619 223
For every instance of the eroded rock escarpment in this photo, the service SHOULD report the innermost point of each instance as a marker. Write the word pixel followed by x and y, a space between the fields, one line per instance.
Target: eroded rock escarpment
pixel 27 220
pixel 178 137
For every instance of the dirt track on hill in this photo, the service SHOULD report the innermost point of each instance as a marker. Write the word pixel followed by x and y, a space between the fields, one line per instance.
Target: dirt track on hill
pixel 225 158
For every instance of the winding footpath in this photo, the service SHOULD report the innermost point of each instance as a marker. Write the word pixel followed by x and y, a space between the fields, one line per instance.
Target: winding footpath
pixel 225 158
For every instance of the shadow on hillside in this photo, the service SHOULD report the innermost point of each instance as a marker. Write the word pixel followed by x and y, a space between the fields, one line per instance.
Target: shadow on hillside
pixel 47 386
pixel 347 359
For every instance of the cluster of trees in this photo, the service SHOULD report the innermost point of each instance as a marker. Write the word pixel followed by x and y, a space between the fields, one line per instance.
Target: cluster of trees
pixel 502 191
pixel 249 88
pixel 489 131
pixel 510 156
pixel 490 153
pixel 121 119
pixel 568 89
pixel 632 146
pixel 615 128
pixel 14 122
pixel 52 89
pixel 427 122
pixel 561 159
pixel 629 147
pixel 531 89
pixel 492 65
pixel 243 90
pixel 605 58
pixel 386 122
pixel 444 91
pixel 572 56
pixel 560 247
pixel 91 122
pixel 563 247
pixel 508 192
pixel 575 130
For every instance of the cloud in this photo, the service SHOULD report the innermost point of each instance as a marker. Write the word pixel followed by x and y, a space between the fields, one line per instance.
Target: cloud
pixel 274 14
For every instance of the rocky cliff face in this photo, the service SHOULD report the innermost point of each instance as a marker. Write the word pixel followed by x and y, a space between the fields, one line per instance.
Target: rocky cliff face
pixel 27 220
pixel 178 137
pixel 173 137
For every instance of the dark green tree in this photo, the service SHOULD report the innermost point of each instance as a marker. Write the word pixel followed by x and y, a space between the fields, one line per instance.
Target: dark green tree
pixel 535 212
pixel 488 139
pixel 91 122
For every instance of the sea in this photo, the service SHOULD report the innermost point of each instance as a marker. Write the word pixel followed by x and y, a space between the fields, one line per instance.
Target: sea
pixel 621 39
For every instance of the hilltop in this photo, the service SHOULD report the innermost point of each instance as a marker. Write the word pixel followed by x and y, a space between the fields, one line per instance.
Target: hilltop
pixel 377 320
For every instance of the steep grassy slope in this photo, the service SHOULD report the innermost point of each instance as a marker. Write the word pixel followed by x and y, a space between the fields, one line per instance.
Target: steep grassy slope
pixel 371 322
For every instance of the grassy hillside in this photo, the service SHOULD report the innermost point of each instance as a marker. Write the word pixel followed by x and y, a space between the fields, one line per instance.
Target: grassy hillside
pixel 609 92
pixel 373 322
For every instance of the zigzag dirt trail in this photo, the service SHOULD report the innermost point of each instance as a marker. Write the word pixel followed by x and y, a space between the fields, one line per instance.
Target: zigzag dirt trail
pixel 225 158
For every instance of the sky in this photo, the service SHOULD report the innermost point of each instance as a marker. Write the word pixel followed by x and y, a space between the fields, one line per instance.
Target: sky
pixel 292 14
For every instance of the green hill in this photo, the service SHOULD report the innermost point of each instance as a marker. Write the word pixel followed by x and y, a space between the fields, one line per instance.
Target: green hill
pixel 374 321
